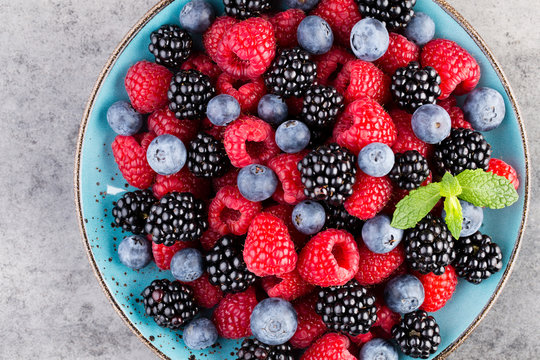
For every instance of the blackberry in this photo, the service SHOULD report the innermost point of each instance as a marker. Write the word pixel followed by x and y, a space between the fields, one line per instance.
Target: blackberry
pixel 176 217
pixel 131 210
pixel 207 157
pixel 171 304
pixel 477 258
pixel 410 170
pixel 417 334
pixel 328 173
pixel 413 86
pixel 291 74
pixel 349 309
pixel 170 45
pixel 189 93
pixel 463 149
pixel 321 106
pixel 243 9
pixel 429 246
pixel 253 349
pixel 395 14
pixel 338 218
pixel 226 267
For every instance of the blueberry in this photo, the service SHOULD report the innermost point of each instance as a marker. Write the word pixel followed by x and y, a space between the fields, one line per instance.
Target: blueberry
pixel 376 159
pixel 315 35
pixel 273 321
pixel 256 182
pixel 166 154
pixel 309 217
pixel 421 29
pixel 223 109
pixel 123 119
pixel 200 333
pixel 197 16
pixel 473 216
pixel 431 123
pixel 379 236
pixel 369 39
pixel 135 252
pixel 378 349
pixel 484 108
pixel 187 265
pixel 305 5
pixel 404 294
pixel 272 109
pixel 292 136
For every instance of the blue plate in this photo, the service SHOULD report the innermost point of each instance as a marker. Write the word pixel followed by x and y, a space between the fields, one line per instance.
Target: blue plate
pixel 98 183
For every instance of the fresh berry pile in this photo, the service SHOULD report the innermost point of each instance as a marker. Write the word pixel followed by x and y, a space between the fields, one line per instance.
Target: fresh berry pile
pixel 289 177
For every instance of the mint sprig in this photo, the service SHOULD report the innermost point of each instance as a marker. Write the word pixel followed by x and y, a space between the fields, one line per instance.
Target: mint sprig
pixel 415 206
pixel 454 215
pixel 485 189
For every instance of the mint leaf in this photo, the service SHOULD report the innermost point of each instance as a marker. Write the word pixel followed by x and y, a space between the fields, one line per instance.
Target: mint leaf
pixel 486 189
pixel 454 215
pixel 413 207
pixel 450 186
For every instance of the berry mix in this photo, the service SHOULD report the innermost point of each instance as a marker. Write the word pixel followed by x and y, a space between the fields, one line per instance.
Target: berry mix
pixel 310 177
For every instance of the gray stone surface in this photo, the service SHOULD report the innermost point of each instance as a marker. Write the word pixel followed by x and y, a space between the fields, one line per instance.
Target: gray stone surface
pixel 51 306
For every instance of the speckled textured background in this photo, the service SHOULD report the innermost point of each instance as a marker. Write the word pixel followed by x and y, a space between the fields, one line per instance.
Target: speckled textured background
pixel 51 306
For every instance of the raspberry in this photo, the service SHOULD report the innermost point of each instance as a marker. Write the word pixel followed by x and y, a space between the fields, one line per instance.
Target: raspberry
pixel 399 54
pixel 330 346
pixel 330 258
pixel 386 319
pixel 363 122
pixel 228 179
pixel 341 15
pixel 459 71
pixel 205 294
pixel 249 140
pixel 329 65
pixel 248 93
pixel 370 196
pixel 360 78
pixel 438 289
pixel 295 105
pixel 310 325
pixel 213 36
pixel 231 316
pixel 182 181
pixel 215 131
pixel 375 268
pixel 289 286
pixel 406 139
pixel 499 167
pixel 362 338
pixel 130 155
pixel 230 213
pixel 147 84
pixel 455 112
pixel 163 121
pixel 209 239
pixel 285 24
pixel 269 249
pixel 247 49
pixel 163 254
pixel 291 189
pixel 202 63
pixel 284 212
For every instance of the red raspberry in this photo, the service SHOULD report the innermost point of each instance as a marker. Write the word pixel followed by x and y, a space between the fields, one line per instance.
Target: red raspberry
pixel 249 140
pixel 268 249
pixel 208 239
pixel 399 54
pixel 288 286
pixel 341 15
pixel 295 105
pixel 406 139
pixel 459 71
pixel 230 213
pixel 370 196
pixel 164 122
pixel 499 167
pixel 438 289
pixel 163 254
pixel 284 212
pixel 182 181
pixel 147 84
pixel 455 112
pixel 330 346
pixel 231 316
pixel 216 131
pixel 362 338
pixel 363 122
pixel 202 63
pixel 130 155
pixel 291 189
pixel 206 294
pixel 248 93
pixel 310 325
pixel 375 268
pixel 213 36
pixel 285 25
pixel 329 65
pixel 330 258
pixel 361 78
pixel 247 49
pixel 386 319
pixel 228 179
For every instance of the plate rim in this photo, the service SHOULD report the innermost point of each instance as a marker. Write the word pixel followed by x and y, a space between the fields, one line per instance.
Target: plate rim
pixel 164 3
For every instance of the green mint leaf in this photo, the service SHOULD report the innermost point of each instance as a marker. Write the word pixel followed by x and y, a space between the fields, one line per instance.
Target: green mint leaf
pixel 454 215
pixel 415 206
pixel 450 186
pixel 486 189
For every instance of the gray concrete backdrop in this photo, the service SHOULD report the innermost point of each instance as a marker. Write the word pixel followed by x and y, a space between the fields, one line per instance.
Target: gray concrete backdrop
pixel 51 306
